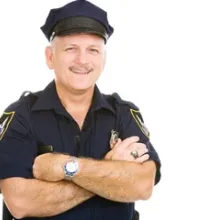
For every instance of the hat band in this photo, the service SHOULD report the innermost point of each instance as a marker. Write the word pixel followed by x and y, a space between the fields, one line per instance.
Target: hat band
pixel 79 25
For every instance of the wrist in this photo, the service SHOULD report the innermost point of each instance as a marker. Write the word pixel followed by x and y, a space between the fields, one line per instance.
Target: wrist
pixel 70 168
pixel 59 163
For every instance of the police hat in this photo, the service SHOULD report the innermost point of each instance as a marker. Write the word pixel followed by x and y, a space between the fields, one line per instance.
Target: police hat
pixel 79 16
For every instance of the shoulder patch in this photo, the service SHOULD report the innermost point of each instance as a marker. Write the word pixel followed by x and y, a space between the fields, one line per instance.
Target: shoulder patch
pixel 137 117
pixel 5 120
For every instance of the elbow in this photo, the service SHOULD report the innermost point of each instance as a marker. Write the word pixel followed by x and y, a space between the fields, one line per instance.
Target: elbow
pixel 146 194
pixel 145 191
pixel 17 205
pixel 14 197
pixel 17 208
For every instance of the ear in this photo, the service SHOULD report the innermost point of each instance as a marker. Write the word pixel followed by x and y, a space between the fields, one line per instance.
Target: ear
pixel 49 56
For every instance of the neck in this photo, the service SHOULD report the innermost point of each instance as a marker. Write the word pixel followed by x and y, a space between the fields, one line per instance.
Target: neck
pixel 75 100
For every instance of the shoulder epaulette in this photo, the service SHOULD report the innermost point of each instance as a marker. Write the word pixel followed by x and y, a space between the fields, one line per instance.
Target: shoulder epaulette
pixel 123 102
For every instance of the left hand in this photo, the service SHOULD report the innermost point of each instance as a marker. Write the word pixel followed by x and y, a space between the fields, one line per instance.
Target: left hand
pixel 49 167
pixel 121 150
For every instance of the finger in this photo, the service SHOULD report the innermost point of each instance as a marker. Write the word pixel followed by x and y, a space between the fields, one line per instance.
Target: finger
pixel 139 147
pixel 34 172
pixel 116 144
pixel 113 143
pixel 141 152
pixel 128 141
pixel 142 159
pixel 109 155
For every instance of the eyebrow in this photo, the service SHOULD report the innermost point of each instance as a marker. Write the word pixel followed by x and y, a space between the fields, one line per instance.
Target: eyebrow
pixel 75 45
pixel 93 45
pixel 67 45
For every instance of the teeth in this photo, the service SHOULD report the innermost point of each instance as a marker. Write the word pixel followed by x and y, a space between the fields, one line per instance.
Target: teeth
pixel 77 72
pixel 81 72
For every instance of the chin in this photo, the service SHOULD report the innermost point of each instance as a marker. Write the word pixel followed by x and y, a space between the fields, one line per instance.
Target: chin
pixel 80 87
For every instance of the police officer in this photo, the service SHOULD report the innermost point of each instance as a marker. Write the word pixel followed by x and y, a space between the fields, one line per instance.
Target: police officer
pixel 69 151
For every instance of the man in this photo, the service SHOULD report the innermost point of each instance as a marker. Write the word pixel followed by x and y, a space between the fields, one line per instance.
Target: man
pixel 102 159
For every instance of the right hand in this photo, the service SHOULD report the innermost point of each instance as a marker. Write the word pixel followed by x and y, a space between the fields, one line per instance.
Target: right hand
pixel 122 150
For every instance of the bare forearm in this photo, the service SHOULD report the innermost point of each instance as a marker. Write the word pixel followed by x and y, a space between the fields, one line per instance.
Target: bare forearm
pixel 115 180
pixel 55 198
pixel 41 199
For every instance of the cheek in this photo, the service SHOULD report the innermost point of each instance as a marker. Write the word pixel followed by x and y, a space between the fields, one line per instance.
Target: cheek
pixel 62 62
pixel 99 64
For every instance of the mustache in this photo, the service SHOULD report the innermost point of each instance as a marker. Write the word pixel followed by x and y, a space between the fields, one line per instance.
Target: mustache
pixel 83 68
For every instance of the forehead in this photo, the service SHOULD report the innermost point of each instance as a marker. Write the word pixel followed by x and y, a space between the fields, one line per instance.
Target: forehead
pixel 80 39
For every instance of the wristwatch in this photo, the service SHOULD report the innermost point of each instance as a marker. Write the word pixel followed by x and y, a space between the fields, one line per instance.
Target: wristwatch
pixel 70 168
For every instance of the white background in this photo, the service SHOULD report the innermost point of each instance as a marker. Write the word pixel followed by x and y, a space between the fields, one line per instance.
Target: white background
pixel 165 57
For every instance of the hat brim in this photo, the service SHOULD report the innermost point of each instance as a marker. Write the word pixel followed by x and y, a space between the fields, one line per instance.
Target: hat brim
pixel 81 31
pixel 79 25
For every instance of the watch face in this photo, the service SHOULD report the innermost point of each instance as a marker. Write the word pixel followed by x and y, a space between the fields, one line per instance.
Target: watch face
pixel 71 167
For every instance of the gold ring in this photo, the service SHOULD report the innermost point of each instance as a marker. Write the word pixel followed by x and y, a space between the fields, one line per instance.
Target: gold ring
pixel 134 153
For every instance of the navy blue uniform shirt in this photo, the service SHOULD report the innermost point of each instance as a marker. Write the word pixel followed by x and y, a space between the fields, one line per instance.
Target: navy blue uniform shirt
pixel 39 119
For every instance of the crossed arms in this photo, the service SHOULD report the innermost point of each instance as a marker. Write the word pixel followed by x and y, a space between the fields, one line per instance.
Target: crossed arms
pixel 117 177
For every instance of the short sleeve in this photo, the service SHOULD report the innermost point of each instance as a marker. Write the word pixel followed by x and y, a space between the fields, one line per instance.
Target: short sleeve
pixel 132 124
pixel 17 145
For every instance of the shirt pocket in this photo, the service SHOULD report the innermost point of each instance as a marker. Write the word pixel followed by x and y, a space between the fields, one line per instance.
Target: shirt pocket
pixel 102 125
pixel 47 132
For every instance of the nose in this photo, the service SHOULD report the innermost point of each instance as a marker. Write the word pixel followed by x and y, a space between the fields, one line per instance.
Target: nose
pixel 81 57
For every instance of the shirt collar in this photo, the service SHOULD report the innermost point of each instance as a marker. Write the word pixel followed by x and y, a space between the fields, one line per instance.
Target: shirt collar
pixel 100 101
pixel 48 99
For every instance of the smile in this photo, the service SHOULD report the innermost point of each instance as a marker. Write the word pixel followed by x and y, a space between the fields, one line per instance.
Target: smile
pixel 82 72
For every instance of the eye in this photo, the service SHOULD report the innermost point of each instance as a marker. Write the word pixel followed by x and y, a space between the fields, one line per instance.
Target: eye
pixel 70 49
pixel 94 51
